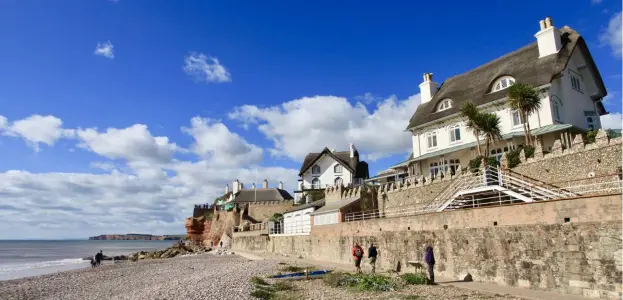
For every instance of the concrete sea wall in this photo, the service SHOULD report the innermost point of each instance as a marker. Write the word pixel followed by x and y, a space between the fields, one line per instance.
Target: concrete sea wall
pixel 570 246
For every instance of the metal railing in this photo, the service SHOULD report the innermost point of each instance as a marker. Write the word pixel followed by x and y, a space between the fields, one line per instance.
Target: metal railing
pixel 295 227
pixel 491 187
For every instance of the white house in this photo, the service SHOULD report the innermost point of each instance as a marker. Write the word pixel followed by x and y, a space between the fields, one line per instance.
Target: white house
pixel 297 220
pixel 328 168
pixel 558 63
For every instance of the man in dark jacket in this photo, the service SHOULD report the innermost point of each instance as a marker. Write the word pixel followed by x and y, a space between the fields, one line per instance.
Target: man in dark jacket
pixel 372 256
pixel 99 257
pixel 430 261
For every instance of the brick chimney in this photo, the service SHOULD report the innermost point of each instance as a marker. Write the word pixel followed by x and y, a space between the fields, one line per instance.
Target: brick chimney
pixel 548 38
pixel 265 185
pixel 428 88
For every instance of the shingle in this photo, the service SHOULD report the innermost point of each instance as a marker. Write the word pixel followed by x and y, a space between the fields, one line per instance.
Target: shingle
pixel 523 64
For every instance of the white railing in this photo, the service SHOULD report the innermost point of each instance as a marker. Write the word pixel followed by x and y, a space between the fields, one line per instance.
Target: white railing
pixel 491 187
pixel 295 227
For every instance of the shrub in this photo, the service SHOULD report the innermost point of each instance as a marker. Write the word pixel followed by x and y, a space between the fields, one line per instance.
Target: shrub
pixel 474 164
pixel 411 278
pixel 492 161
pixel 590 136
pixel 258 280
pixel 512 157
pixel 283 286
pixel 362 282
pixel 528 151
pixel 262 294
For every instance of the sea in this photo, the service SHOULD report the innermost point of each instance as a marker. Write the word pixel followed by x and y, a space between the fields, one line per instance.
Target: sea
pixel 31 258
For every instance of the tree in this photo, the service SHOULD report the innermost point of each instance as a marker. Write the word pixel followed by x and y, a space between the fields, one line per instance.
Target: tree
pixel 525 99
pixel 473 119
pixel 490 128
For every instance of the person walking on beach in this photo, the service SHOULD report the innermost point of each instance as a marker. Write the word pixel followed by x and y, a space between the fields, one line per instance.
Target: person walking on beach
pixel 99 257
pixel 357 255
pixel 372 256
pixel 429 258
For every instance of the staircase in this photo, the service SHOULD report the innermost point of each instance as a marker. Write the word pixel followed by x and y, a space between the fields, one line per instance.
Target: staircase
pixel 491 186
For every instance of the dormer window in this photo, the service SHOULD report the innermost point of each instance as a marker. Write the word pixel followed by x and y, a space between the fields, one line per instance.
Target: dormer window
pixel 445 104
pixel 337 169
pixel 502 83
pixel 315 170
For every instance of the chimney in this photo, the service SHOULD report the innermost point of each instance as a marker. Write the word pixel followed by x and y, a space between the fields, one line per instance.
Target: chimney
pixel 280 185
pixel 226 188
pixel 548 38
pixel 352 149
pixel 254 185
pixel 428 88
pixel 265 185
pixel 236 186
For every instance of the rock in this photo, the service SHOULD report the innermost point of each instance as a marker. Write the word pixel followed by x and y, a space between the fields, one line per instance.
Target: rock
pixel 141 256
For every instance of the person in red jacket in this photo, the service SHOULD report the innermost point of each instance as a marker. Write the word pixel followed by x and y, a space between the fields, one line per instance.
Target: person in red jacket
pixel 357 255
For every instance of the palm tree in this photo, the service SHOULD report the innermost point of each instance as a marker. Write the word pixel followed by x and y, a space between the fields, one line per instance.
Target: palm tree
pixel 490 128
pixel 524 98
pixel 473 119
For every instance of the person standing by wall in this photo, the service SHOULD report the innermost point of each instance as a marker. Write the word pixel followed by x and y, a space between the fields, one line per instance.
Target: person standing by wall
pixel 429 258
pixel 357 256
pixel 372 253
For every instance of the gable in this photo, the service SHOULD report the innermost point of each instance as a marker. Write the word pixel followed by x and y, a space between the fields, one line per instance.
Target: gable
pixel 343 158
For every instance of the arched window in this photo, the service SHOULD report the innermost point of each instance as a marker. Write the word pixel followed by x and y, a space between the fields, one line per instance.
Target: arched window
pixel 315 183
pixel 315 169
pixel 444 104
pixel 556 110
pixel 337 168
pixel 502 83
pixel 338 181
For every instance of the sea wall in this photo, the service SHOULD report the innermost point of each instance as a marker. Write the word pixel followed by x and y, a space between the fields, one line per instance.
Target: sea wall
pixel 570 246
pixel 581 162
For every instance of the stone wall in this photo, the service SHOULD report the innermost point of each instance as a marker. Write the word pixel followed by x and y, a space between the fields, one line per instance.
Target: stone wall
pixel 403 195
pixel 580 163
pixel 570 246
pixel 261 211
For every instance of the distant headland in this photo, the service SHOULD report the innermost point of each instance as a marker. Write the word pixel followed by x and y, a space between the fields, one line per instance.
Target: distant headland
pixel 136 237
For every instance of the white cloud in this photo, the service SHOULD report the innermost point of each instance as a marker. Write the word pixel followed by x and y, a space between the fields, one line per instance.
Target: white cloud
pixel 311 123
pixel 612 35
pixel 144 187
pixel 205 68
pixel 216 143
pixel 36 130
pixel 134 143
pixel 105 49
pixel 611 121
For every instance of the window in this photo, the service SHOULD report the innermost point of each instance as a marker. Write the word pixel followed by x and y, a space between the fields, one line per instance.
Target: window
pixel 434 169
pixel 338 181
pixel 315 169
pixel 445 104
pixel 337 168
pixel 315 183
pixel 497 153
pixel 431 139
pixel 556 110
pixel 502 83
pixel 591 119
pixel 453 165
pixel 517 119
pixel 455 133
pixel 575 81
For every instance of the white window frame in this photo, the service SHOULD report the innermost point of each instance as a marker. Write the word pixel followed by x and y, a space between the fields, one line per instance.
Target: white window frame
pixel 341 181
pixel 521 121
pixel 316 183
pixel 556 110
pixel 452 132
pixel 316 170
pixel 337 169
pixel 431 138
pixel 576 81
pixel 502 83
pixel 444 104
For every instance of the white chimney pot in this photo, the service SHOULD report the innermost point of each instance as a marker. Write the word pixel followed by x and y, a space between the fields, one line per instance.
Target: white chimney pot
pixel 548 38
pixel 428 88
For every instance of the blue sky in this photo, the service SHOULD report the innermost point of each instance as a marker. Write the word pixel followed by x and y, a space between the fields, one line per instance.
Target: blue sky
pixel 290 79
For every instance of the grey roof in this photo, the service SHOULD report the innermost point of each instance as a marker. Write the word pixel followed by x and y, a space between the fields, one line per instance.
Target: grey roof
pixel 523 64
pixel 337 205
pixel 261 194
pixel 359 168
pixel 317 203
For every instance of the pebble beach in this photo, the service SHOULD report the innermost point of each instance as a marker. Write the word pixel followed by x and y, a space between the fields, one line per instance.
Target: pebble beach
pixel 203 276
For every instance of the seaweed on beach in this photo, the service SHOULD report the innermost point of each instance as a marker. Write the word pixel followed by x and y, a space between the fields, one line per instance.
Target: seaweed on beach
pixel 362 282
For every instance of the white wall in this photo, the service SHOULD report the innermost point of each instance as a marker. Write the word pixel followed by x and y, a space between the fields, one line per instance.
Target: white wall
pixel 327 176
pixel 297 221
pixel 574 103
pixel 326 218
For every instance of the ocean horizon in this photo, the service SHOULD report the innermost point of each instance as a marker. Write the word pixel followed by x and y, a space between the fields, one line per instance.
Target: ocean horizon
pixel 25 258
